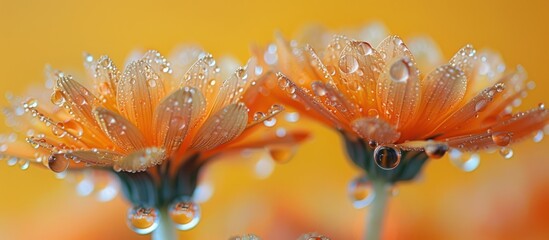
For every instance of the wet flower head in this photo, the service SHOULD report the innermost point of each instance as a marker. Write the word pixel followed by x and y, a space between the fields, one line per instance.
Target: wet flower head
pixel 154 122
pixel 382 103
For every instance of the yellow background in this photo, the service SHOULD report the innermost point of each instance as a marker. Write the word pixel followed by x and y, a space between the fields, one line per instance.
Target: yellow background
pixel 502 199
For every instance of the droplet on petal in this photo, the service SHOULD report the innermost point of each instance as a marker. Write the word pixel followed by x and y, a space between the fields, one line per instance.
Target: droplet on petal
pixel 436 150
pixel 348 64
pixel 58 162
pixel 143 220
pixel 501 138
pixel 399 71
pixel 185 214
pixel 360 192
pixel 282 154
pixel 539 136
pixel 387 157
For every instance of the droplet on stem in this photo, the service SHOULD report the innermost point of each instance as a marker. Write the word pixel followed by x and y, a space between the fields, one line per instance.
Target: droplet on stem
pixel 387 157
pixel 185 214
pixel 143 220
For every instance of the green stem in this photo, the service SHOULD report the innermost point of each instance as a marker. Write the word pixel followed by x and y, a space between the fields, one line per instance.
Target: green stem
pixel 376 213
pixel 166 229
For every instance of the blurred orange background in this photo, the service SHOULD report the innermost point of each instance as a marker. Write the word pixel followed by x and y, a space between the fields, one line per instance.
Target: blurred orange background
pixel 502 199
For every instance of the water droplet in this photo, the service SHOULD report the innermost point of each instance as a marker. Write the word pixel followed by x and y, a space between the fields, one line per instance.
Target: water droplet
pixel 539 136
pixel 283 82
pixel 73 127
pixel 12 161
pixel 282 154
pixel 500 87
pixel 541 106
pixel 364 48
pixel 318 89
pixel 58 162
pixel 348 64
pixel 212 82
pixel 151 83
pixel 501 138
pixel 506 152
pixel 270 122
pixel 467 164
pixel 387 157
pixel 436 150
pixel 143 220
pixel 241 73
pixel 275 108
pixel 23 164
pixel 30 103
pixel 479 107
pixel 313 236
pixel 399 71
pixel 185 214
pixel 57 98
pixel 58 130
pixel 360 192
pixel 259 115
pixel 372 143
pixel 331 70
pixel 373 113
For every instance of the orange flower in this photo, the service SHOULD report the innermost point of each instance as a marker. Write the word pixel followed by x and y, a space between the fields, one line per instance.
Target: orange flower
pixel 378 99
pixel 152 113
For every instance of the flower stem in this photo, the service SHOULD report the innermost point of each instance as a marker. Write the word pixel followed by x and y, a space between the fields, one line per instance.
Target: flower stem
pixel 165 230
pixel 375 216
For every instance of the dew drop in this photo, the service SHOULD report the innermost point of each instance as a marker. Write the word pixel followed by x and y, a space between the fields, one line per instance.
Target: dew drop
pixel 331 70
pixel 241 73
pixel 58 162
pixel 479 107
pixel 282 154
pixel 185 214
pixel 399 71
pixel 373 113
pixel 30 103
pixel 506 152
pixel 436 150
pixel 318 89
pixel 372 143
pixel 151 83
pixel 245 237
pixel 387 157
pixel 259 115
pixel 348 64
pixel 360 192
pixel 143 220
pixel 58 130
pixel 212 82
pixel 275 108
pixel 364 48
pixel 57 98
pixel 501 138
pixel 539 136
pixel 541 106
pixel 12 161
pixel 270 122
pixel 23 164
pixel 73 127
pixel 283 82
pixel 292 117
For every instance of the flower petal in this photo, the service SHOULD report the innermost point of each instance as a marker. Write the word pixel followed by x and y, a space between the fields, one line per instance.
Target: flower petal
pixel 138 93
pixel 524 123
pixel 398 92
pixel 465 60
pixel 225 125
pixel 78 99
pixel 121 131
pixel 393 47
pixel 204 76
pixel 140 160
pixel 96 157
pixel 443 91
pixel 375 129
pixel 107 77
pixel 175 115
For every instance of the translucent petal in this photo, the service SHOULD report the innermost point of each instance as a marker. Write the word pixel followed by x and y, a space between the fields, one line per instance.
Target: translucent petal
pixel 223 126
pixel 160 66
pixel 183 57
pixel 204 76
pixel 78 99
pixel 443 91
pixel 473 142
pixel 393 47
pixel 138 93
pixel 426 53
pixel 107 77
pixel 141 159
pixel 523 124
pixel 398 92
pixel 465 60
pixel 97 157
pixel 121 131
pixel 175 115
pixel 375 129
pixel 231 89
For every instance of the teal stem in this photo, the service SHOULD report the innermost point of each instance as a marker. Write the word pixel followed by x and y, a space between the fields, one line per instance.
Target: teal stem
pixel 376 213
pixel 166 229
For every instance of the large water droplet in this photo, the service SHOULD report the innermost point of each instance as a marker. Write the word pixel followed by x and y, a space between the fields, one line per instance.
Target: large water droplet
pixel 23 164
pixel 270 122
pixel 465 163
pixel 185 214
pixel 479 107
pixel 436 150
pixel 318 89
pixel 399 71
pixel 73 127
pixel 143 220
pixel 387 157
pixel 501 138
pixel 360 192
pixel 58 162
pixel 348 64
pixel 506 152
